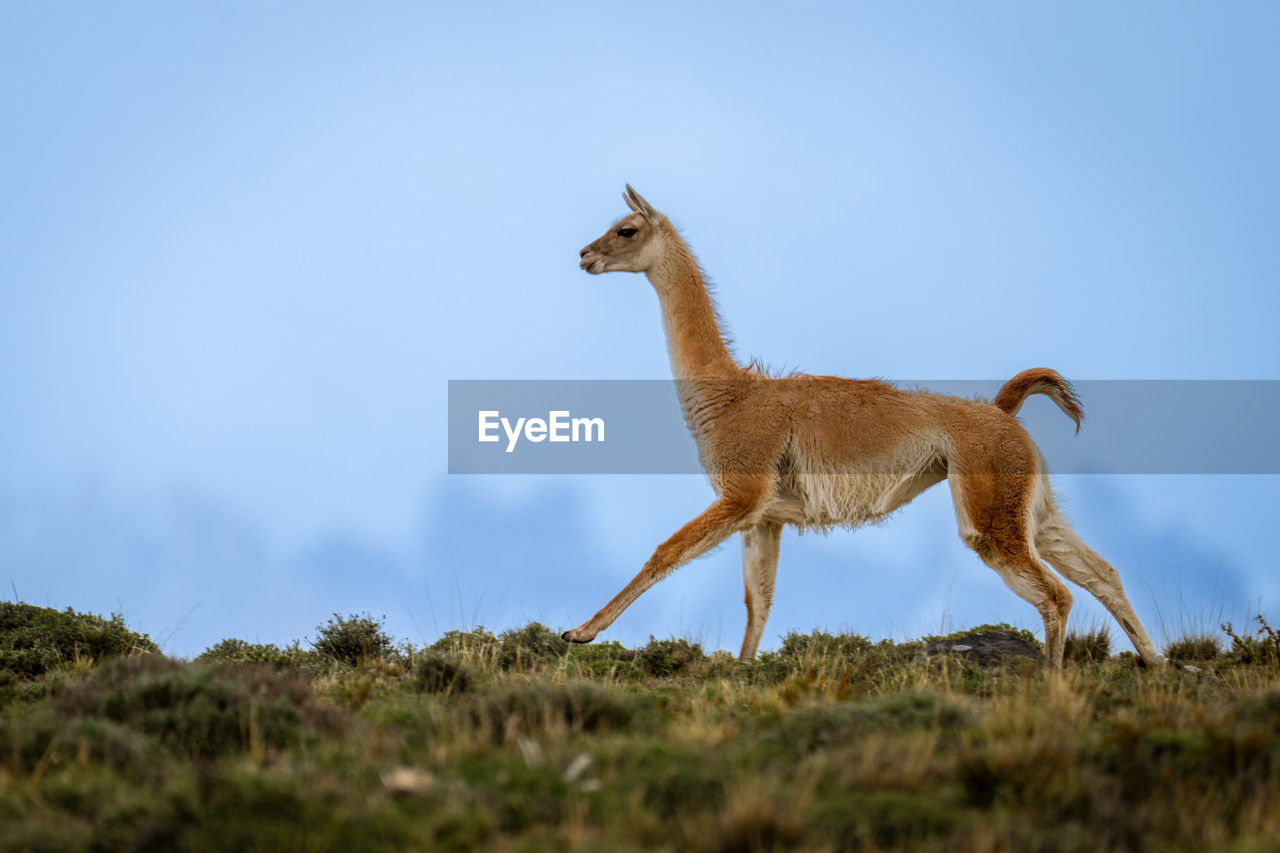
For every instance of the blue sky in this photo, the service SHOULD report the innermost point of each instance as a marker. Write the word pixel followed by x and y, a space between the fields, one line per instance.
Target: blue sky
pixel 242 250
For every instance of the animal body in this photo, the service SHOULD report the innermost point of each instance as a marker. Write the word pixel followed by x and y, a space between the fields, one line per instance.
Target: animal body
pixel 824 451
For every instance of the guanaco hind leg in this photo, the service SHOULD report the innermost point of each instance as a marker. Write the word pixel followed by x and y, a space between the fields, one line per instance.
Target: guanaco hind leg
pixel 1077 562
pixel 992 511
pixel 759 568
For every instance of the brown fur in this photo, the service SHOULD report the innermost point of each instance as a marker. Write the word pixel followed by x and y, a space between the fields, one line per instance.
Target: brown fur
pixel 825 451
pixel 1040 380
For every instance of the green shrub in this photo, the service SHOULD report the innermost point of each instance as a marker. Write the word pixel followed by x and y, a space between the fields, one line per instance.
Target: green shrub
pixel 436 672
pixel 1262 647
pixel 353 639
pixel 529 647
pixel 998 628
pixel 197 711
pixel 515 742
pixel 819 645
pixel 33 639
pixel 240 651
pixel 602 658
pixel 474 646
pixel 663 658
pixel 821 655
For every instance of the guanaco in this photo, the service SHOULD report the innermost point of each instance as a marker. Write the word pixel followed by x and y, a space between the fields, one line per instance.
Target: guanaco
pixel 824 451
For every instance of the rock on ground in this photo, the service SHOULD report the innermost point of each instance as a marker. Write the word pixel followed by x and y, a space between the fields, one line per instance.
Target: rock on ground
pixel 986 648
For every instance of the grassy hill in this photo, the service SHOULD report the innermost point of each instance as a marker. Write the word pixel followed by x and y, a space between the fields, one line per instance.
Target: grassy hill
pixel 520 742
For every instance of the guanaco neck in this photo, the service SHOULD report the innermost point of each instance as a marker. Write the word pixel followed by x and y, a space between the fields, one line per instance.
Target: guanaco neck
pixel 694 343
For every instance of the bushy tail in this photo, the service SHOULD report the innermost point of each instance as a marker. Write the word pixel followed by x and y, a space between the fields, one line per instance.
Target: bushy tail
pixel 1040 380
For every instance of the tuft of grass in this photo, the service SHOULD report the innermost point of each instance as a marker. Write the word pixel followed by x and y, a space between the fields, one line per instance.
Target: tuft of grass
pixel 1193 647
pixel 34 640
pixel 1087 646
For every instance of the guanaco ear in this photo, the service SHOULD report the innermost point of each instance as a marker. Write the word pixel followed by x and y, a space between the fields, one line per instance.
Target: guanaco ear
pixel 636 202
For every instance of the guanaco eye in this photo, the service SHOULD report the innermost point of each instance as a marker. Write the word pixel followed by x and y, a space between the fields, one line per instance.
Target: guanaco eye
pixel 626 232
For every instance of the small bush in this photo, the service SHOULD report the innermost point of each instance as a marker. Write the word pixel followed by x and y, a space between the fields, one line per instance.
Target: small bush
pixel 202 712
pixel 1088 646
pixel 529 647
pixel 1194 647
pixel 474 646
pixel 602 658
pixel 436 672
pixel 239 651
pixel 999 628
pixel 819 645
pixel 33 639
pixel 663 658
pixel 1263 647
pixel 352 639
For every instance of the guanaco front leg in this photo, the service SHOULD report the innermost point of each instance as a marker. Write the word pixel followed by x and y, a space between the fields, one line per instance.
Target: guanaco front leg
pixel 718 522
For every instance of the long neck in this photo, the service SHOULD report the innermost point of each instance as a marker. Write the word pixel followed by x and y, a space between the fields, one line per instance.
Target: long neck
pixel 694 342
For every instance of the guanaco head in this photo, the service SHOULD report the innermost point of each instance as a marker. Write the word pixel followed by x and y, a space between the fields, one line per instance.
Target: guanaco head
pixel 632 244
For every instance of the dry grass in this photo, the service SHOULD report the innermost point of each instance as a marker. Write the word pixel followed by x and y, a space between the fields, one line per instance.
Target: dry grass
pixel 520 742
